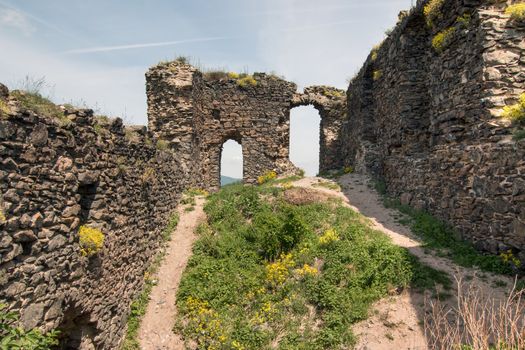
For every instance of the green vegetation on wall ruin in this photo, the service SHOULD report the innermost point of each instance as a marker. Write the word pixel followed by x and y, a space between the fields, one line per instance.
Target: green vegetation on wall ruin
pixel 516 11
pixel 266 272
pixel 13 337
pixel 447 242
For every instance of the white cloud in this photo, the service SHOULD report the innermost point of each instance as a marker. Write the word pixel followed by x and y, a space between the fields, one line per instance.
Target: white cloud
pixel 10 17
pixel 115 91
pixel 143 45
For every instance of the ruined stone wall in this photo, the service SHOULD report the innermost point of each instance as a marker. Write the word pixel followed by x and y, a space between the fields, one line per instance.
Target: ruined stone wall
pixel 427 123
pixel 59 174
pixel 197 113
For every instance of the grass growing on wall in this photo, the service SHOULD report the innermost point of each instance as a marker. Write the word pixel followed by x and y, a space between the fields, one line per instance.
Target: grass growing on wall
pixel 267 272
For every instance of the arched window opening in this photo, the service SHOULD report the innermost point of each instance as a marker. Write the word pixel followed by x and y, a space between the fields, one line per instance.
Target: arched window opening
pixel 305 124
pixel 231 163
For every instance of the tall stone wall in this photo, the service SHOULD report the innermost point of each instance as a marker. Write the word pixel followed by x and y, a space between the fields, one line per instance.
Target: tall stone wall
pixel 197 113
pixel 427 123
pixel 59 174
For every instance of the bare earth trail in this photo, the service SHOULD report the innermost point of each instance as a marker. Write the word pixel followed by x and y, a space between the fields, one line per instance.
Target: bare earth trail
pixel 396 321
pixel 155 331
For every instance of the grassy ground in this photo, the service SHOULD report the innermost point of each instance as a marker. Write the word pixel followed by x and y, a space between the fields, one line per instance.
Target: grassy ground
pixel 442 238
pixel 268 274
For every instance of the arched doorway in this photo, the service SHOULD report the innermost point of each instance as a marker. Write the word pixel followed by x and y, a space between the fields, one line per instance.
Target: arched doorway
pixel 305 124
pixel 231 170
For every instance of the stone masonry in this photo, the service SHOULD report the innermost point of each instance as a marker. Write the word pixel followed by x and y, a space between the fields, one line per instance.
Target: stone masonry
pixel 58 174
pixel 197 115
pixel 428 125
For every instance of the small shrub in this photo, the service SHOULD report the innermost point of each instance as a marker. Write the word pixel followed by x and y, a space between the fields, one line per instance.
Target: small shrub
pixel 516 112
pixel 91 240
pixel 464 21
pixel 247 81
pixel 333 93
pixel 162 145
pixel 509 258
pixel 516 11
pixel 182 60
pixel 443 39
pixel 307 270
pixel 377 75
pixel 328 237
pixel 300 172
pixel 348 170
pixel 375 50
pixel 267 176
pixel 233 75
pixel 277 272
pixel 432 11
pixel 15 338
pixel 518 135
pixel 4 108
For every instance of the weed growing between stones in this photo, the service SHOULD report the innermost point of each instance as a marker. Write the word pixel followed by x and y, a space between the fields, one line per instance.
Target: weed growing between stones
pixel 432 11
pixel 515 112
pixel 13 337
pixel 247 81
pixel 4 108
pixel 267 176
pixel 91 240
pixel 446 241
pixel 516 11
pixel 443 39
pixel 267 273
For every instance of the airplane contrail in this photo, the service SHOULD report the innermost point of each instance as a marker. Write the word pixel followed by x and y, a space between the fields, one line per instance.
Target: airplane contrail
pixel 144 45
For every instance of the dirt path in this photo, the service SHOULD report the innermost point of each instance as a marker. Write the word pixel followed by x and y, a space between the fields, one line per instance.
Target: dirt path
pixel 396 322
pixel 155 331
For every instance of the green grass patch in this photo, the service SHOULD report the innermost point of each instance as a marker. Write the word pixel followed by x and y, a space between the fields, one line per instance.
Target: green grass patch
pixel 40 105
pixel 329 185
pixel 446 241
pixel 267 274
pixel 13 337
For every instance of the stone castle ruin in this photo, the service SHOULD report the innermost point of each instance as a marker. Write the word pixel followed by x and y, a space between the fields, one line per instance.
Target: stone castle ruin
pixel 197 114
pixel 423 121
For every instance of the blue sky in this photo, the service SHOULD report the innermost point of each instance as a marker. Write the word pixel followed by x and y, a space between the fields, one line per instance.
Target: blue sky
pixel 96 52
